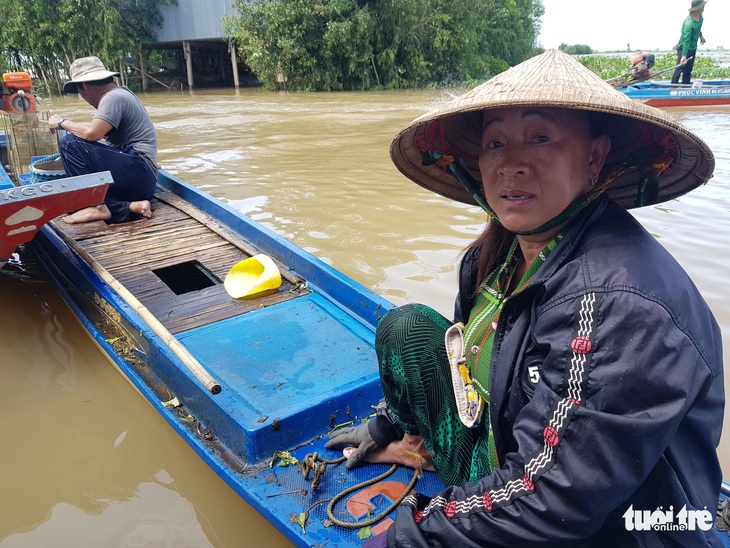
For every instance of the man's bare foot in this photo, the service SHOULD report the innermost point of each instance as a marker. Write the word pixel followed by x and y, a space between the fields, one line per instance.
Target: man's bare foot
pixel 94 213
pixel 142 208
pixel 409 451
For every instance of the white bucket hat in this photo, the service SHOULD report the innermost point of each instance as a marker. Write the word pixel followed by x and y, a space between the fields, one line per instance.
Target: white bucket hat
pixel 86 69
pixel 647 146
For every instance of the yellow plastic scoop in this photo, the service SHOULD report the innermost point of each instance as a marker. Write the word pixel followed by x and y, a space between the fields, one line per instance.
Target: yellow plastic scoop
pixel 253 275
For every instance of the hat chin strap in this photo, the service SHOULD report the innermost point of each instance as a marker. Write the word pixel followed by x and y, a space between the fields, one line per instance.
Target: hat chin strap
pixel 474 188
pixel 647 161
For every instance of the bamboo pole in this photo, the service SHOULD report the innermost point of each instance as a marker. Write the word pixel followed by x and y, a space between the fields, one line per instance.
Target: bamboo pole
pixel 142 69
pixel 193 365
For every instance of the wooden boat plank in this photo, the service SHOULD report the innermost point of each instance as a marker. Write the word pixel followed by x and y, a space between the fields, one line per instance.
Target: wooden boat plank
pixel 218 262
pixel 139 254
pixel 164 218
pixel 114 242
pixel 211 306
pixel 177 251
pixel 202 307
pixel 132 252
pixel 151 233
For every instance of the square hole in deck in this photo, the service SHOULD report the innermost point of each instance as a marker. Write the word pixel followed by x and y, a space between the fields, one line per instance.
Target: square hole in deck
pixel 186 277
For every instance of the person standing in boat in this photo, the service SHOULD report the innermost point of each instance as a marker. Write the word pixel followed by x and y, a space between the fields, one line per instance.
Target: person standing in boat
pixel 687 46
pixel 579 387
pixel 130 150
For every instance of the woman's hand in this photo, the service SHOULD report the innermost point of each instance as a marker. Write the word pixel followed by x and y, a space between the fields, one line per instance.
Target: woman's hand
pixel 357 436
pixel 409 451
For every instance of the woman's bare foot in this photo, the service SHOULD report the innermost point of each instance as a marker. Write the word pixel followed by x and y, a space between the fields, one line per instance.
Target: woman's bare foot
pixel 143 208
pixel 94 213
pixel 409 451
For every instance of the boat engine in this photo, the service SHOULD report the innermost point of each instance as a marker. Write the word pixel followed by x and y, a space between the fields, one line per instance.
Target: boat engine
pixel 19 97
pixel 641 64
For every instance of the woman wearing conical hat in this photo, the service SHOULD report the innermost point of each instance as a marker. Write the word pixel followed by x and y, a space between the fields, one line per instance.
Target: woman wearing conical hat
pixel 579 387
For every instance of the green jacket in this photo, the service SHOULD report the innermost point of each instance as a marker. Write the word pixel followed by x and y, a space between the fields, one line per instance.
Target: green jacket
pixel 691 31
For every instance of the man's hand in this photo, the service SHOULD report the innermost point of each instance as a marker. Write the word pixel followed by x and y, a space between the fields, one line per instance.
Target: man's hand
pixel 53 122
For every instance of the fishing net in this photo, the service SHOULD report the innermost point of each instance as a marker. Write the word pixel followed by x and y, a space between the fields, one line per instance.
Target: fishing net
pixel 27 136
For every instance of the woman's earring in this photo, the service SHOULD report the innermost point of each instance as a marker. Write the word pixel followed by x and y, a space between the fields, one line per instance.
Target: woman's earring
pixel 594 180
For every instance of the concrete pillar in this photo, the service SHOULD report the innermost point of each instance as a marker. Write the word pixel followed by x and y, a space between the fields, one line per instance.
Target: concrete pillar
pixel 234 62
pixel 188 63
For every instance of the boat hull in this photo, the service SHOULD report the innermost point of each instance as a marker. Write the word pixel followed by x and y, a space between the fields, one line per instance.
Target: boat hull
pixel 290 369
pixel 666 95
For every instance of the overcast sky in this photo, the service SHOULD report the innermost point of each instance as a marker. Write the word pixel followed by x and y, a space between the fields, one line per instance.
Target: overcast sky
pixel 644 24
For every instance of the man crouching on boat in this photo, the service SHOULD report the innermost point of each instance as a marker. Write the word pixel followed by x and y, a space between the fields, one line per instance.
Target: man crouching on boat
pixel 130 151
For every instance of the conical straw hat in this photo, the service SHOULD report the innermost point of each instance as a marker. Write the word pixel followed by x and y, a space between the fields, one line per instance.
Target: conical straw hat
pixel 555 79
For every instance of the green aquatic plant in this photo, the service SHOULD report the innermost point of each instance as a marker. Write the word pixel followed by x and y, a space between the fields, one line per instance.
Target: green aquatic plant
pixel 614 66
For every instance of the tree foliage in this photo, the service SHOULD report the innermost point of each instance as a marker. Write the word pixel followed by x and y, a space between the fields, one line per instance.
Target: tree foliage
pixel 365 44
pixel 45 36
pixel 575 49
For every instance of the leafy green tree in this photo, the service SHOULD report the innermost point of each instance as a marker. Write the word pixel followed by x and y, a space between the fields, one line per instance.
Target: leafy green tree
pixel 305 44
pixel 45 36
pixel 363 44
pixel 576 49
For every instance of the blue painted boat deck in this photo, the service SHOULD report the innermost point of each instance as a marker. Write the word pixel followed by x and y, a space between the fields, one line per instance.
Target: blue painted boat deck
pixel 296 362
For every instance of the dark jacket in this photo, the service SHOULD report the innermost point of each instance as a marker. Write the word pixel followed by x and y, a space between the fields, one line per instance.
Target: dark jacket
pixel 607 400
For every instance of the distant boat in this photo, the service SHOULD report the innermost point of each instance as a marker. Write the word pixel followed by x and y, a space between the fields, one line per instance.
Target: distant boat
pixel 664 94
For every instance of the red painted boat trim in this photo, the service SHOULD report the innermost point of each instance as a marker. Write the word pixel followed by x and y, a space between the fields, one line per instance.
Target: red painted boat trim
pixel 687 101
pixel 25 209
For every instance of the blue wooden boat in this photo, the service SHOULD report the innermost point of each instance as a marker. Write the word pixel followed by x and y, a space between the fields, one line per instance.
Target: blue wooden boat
pixel 250 382
pixel 241 380
pixel 665 94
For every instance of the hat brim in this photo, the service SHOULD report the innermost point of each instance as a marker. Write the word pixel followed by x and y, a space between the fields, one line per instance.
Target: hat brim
pixel 94 76
pixel 636 127
pixel 699 7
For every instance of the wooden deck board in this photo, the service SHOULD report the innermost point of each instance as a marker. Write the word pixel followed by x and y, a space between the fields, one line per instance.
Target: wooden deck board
pixel 176 234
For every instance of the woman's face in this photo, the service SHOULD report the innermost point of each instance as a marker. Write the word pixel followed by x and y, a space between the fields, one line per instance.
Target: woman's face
pixel 536 161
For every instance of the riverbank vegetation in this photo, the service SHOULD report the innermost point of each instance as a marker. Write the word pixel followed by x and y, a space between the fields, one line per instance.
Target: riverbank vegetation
pixel 612 66
pixel 329 45
pixel 45 36
pixel 305 45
